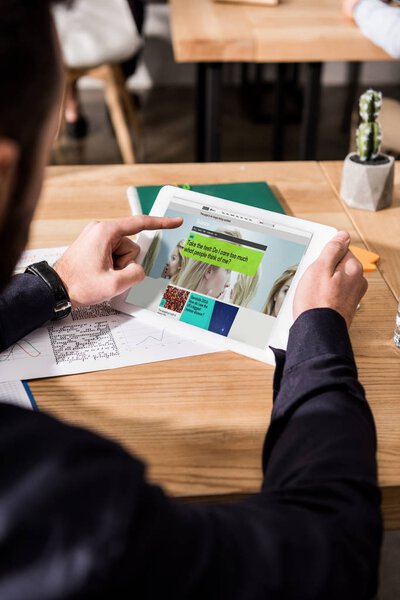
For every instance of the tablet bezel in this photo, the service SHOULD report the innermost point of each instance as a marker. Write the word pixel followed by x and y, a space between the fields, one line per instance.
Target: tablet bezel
pixel 321 234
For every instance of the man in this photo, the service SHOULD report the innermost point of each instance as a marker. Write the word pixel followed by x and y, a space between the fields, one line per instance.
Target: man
pixel 77 516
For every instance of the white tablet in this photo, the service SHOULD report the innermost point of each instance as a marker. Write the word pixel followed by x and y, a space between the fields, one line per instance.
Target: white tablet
pixel 227 276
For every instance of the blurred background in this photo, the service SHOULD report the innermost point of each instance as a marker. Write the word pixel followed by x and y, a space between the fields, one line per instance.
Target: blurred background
pixel 163 94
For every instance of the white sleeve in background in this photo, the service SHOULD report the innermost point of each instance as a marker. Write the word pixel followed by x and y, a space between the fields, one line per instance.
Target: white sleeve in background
pixel 380 23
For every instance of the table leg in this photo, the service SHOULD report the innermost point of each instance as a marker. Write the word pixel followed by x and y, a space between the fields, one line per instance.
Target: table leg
pixel 209 87
pixel 309 128
pixel 278 123
pixel 353 80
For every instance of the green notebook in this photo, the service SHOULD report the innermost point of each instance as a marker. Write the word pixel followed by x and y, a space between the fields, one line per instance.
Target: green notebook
pixel 255 193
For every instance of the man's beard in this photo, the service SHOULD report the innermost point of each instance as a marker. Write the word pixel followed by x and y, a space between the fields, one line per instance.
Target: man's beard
pixel 13 239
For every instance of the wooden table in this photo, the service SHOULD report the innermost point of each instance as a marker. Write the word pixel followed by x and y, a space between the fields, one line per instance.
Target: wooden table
pixel 296 31
pixel 199 430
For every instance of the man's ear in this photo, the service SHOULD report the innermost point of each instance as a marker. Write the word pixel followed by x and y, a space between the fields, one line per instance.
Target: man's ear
pixel 9 156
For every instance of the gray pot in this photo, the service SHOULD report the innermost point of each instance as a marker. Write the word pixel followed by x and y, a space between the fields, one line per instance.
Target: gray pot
pixel 367 185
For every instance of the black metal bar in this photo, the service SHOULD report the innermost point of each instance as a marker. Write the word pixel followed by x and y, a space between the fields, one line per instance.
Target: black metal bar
pixel 244 77
pixel 278 124
pixel 209 111
pixel 353 79
pixel 245 87
pixel 294 74
pixel 309 127
pixel 228 238
pixel 200 113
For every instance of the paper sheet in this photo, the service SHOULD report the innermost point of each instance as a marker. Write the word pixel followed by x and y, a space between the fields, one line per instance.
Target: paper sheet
pixel 31 256
pixel 92 338
pixel 16 392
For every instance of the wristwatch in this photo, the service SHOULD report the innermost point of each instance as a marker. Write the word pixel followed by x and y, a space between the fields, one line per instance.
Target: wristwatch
pixel 62 306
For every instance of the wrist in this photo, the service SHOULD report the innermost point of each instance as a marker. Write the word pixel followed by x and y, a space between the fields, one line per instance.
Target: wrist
pixel 345 314
pixel 349 7
pixel 62 302
pixel 66 280
pixel 315 332
pixel 355 8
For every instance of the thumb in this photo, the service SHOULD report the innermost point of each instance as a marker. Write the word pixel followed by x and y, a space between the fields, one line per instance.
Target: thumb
pixel 335 250
pixel 123 279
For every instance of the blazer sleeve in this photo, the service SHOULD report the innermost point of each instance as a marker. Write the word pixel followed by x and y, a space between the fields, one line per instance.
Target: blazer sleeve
pixel 25 304
pixel 80 518
pixel 380 23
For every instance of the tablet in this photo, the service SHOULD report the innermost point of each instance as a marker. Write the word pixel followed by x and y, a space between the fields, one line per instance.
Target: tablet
pixel 227 276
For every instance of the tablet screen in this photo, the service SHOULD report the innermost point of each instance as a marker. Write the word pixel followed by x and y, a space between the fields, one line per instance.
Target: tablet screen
pixel 224 272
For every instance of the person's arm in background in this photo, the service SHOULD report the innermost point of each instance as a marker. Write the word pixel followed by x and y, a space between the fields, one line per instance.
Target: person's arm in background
pixel 378 21
pixel 101 262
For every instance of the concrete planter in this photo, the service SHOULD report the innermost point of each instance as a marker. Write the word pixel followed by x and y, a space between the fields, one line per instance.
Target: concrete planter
pixel 368 185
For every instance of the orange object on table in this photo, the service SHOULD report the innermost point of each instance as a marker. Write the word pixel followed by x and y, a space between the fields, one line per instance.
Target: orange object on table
pixel 366 258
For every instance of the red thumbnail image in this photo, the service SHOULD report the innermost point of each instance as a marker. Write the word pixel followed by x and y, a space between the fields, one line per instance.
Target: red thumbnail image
pixel 175 299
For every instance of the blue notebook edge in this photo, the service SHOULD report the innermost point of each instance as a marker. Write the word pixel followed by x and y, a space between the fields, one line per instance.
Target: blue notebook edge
pixel 30 396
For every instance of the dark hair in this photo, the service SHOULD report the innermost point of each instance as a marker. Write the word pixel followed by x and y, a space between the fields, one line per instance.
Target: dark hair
pixel 29 80
pixel 28 67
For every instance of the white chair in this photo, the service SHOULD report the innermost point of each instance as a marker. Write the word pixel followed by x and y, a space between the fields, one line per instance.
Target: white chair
pixel 95 37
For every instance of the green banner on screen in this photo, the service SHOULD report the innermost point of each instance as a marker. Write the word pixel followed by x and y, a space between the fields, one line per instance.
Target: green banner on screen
pixel 220 253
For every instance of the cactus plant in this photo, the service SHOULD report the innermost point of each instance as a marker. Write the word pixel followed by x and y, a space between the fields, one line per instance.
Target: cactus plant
pixel 368 176
pixel 369 132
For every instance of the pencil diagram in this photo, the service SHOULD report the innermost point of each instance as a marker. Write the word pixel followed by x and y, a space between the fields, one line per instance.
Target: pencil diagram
pixel 22 349
pixel 139 336
pixel 151 338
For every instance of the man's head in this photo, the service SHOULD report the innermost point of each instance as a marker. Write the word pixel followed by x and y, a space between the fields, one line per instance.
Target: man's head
pixel 30 80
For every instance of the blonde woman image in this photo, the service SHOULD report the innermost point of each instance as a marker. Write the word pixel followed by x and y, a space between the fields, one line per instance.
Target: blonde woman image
pixel 204 278
pixel 176 263
pixel 152 253
pixel 245 288
pixel 278 292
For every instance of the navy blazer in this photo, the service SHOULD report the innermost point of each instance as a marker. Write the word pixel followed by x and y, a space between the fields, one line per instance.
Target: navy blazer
pixel 79 519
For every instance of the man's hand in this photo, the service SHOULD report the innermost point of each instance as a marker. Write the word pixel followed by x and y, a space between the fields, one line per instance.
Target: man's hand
pixel 100 264
pixel 335 280
pixel 348 7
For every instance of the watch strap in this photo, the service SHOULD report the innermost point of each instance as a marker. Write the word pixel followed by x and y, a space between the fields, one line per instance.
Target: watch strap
pixel 62 302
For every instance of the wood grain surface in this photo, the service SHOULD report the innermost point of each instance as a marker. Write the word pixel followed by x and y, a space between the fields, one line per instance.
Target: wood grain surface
pixel 379 230
pixel 199 422
pixel 292 31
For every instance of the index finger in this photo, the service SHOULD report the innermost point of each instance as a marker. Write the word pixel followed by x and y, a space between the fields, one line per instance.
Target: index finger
pixel 133 225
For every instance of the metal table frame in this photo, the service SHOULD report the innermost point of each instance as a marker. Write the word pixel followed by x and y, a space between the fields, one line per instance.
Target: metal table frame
pixel 209 101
